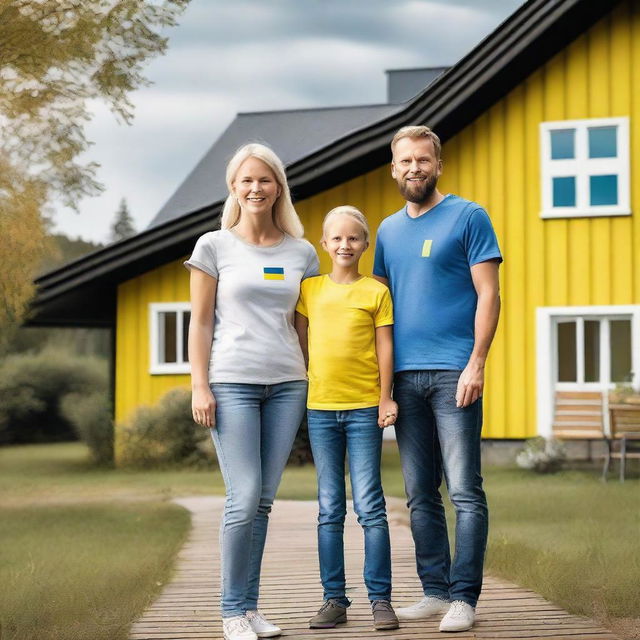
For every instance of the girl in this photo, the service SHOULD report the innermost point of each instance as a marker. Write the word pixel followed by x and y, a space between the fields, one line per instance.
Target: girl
pixel 247 370
pixel 344 321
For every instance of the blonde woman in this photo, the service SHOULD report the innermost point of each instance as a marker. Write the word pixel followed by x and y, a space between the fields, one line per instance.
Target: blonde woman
pixel 248 374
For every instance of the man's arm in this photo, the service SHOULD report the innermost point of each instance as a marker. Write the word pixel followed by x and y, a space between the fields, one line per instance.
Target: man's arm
pixel 487 286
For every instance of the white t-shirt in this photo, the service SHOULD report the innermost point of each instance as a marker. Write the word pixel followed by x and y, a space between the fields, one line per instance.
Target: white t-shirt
pixel 254 340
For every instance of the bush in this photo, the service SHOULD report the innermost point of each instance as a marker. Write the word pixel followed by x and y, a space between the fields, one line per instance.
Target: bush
pixel 165 435
pixel 542 455
pixel 32 387
pixel 93 423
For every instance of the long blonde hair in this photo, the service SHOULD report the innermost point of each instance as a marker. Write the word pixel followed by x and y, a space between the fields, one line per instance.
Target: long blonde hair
pixel 284 214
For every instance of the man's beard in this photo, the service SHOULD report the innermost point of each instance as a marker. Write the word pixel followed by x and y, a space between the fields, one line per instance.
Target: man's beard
pixel 418 193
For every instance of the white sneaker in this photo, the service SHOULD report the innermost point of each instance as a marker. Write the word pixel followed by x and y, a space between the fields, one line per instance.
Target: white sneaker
pixel 460 617
pixel 261 626
pixel 428 606
pixel 237 628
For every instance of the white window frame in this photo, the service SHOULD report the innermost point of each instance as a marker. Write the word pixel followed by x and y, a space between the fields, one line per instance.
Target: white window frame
pixel 156 339
pixel 546 348
pixel 581 167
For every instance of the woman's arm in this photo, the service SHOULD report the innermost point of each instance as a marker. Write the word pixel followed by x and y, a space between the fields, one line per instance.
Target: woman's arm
pixel 301 323
pixel 203 301
pixel 388 409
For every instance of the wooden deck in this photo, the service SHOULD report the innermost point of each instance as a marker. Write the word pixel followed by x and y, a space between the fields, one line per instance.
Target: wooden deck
pixel 291 591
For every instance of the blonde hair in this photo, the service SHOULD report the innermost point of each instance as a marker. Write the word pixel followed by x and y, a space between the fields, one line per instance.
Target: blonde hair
pixel 417 131
pixel 347 210
pixel 284 214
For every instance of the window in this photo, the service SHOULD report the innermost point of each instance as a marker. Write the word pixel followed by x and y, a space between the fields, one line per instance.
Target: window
pixel 169 324
pixel 585 168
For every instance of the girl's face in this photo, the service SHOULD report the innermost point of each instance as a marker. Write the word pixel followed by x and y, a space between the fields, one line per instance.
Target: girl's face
pixel 256 187
pixel 344 240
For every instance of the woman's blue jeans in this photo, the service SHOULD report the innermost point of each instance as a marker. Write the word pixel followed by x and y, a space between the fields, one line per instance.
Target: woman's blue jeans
pixel 437 438
pixel 333 434
pixel 255 429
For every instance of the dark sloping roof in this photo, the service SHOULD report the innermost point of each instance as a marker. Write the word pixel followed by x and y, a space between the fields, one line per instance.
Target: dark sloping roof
pixel 521 44
pixel 291 134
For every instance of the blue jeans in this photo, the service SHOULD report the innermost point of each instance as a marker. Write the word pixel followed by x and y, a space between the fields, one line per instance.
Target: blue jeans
pixel 255 429
pixel 435 438
pixel 333 434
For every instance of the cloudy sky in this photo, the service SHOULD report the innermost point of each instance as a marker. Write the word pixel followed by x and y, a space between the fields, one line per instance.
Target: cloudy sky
pixel 251 55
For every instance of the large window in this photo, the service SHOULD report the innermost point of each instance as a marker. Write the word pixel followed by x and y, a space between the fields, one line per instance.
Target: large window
pixel 585 168
pixel 169 324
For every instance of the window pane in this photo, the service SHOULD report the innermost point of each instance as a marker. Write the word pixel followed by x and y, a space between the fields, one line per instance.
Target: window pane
pixel 169 320
pixel 602 142
pixel 186 318
pixel 564 192
pixel 592 351
pixel 604 189
pixel 562 144
pixel 567 352
pixel 620 340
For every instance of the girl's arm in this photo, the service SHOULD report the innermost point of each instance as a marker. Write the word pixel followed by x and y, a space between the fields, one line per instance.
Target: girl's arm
pixel 203 301
pixel 301 323
pixel 388 409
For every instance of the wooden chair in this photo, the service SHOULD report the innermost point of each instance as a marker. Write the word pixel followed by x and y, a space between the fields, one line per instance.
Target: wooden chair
pixel 579 415
pixel 624 420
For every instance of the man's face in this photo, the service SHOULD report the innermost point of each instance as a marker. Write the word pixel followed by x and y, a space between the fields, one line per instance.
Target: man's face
pixel 416 168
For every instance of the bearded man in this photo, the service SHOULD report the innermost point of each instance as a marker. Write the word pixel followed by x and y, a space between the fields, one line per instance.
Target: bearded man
pixel 439 256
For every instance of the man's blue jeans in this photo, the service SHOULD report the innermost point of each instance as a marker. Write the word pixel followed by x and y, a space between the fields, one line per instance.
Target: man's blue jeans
pixel 255 428
pixel 436 438
pixel 333 434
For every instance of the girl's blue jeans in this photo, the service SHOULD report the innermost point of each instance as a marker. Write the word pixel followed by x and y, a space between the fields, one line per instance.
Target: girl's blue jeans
pixel 255 429
pixel 333 434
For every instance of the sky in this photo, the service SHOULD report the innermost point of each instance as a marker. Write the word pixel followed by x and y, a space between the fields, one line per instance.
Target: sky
pixel 252 55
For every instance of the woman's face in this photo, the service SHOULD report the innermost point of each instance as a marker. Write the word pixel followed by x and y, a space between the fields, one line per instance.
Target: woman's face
pixel 255 187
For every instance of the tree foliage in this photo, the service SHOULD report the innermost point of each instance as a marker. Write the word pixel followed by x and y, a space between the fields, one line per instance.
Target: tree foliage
pixel 122 227
pixel 56 58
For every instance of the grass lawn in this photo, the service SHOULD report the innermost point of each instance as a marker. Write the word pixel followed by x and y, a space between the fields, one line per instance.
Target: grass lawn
pixel 567 536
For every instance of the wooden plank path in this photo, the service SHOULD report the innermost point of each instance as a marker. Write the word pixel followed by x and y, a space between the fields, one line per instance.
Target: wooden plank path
pixel 291 591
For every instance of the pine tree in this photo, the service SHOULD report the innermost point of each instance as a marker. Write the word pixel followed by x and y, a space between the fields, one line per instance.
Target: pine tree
pixel 122 226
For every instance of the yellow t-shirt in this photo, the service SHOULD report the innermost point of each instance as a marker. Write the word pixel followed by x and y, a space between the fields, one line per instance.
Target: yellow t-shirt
pixel 343 366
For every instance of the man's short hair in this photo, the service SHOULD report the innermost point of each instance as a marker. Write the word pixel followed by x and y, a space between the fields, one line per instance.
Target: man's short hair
pixel 417 131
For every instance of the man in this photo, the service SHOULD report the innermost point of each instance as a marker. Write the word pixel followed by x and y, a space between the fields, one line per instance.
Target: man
pixel 439 256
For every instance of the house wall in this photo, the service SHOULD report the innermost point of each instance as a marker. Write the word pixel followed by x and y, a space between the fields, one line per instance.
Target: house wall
pixel 494 161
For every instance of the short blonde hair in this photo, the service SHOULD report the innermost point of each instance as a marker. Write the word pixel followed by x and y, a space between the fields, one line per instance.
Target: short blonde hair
pixel 417 131
pixel 347 210
pixel 284 213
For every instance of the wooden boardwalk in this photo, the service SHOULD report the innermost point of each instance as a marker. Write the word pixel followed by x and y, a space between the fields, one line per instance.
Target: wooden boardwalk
pixel 291 591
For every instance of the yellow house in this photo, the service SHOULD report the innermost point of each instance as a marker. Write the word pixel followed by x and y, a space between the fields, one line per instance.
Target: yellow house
pixel 540 124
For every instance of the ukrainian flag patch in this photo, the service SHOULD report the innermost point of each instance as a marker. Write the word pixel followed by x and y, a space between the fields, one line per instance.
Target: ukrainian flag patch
pixel 273 273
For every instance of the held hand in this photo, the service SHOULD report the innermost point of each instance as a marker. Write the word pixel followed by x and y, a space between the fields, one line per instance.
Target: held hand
pixel 470 385
pixel 203 407
pixel 387 413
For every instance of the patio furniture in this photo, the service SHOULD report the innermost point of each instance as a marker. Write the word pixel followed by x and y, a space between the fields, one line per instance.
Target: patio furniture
pixel 624 442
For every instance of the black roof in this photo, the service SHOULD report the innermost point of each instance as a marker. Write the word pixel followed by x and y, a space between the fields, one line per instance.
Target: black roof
pixel 83 292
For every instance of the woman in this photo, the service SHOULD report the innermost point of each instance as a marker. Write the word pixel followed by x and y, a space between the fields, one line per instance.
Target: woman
pixel 247 370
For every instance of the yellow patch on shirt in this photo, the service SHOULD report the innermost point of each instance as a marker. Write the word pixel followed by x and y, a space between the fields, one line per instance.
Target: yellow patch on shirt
pixel 426 248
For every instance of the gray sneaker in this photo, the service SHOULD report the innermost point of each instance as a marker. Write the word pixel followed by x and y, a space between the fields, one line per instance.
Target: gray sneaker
pixel 384 616
pixel 330 614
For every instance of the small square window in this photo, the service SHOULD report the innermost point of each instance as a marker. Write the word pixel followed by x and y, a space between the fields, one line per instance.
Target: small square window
pixel 563 144
pixel 603 189
pixel 602 142
pixel 564 192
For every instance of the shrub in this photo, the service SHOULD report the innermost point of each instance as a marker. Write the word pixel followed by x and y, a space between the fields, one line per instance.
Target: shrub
pixel 542 455
pixel 32 387
pixel 93 423
pixel 165 435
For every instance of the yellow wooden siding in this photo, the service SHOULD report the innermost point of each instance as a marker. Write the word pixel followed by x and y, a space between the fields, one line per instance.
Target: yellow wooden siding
pixel 495 161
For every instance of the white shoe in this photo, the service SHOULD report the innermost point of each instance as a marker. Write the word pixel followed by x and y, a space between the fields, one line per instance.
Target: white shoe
pixel 428 606
pixel 237 628
pixel 460 617
pixel 261 626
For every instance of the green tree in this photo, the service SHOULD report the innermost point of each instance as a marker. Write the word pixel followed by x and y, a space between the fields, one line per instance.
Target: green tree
pixel 55 57
pixel 122 226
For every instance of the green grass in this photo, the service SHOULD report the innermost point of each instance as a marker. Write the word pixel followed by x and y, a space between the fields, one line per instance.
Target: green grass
pixel 83 571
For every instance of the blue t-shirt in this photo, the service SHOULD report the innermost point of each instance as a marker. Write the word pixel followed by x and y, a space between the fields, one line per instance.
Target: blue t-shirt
pixel 427 262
